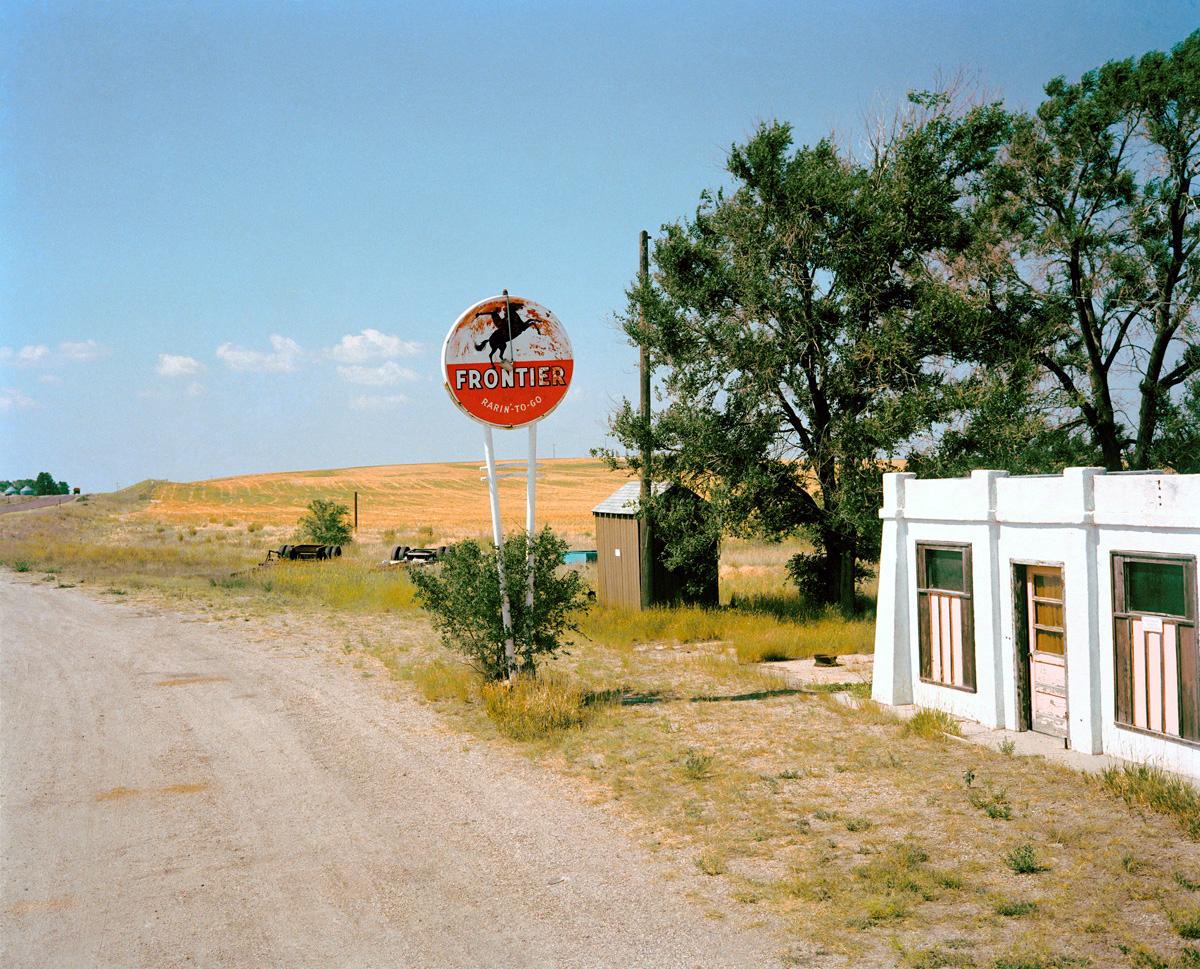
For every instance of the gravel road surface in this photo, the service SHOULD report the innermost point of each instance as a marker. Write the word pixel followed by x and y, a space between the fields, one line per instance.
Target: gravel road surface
pixel 175 793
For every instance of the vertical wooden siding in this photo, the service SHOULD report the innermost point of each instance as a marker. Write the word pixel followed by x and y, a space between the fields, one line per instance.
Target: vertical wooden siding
pixel 618 581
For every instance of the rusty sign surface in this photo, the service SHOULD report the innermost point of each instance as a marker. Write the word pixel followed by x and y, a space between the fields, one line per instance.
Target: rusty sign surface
pixel 507 361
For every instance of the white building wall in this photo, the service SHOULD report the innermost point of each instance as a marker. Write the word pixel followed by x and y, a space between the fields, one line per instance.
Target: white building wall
pixel 1075 520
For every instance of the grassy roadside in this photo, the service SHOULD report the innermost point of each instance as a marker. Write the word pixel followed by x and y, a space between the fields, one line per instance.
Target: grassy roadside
pixel 863 842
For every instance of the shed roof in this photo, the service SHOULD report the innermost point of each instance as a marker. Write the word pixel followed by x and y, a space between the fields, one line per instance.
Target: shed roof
pixel 626 499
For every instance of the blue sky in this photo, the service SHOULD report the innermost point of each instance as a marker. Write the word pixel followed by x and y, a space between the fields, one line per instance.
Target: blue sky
pixel 235 234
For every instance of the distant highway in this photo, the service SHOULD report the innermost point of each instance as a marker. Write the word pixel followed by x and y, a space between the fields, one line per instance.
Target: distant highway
pixel 28 504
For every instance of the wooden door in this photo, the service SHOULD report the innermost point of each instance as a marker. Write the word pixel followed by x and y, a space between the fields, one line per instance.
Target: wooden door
pixel 1047 650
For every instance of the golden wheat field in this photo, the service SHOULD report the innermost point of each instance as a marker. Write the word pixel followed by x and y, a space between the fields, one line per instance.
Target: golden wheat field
pixel 449 499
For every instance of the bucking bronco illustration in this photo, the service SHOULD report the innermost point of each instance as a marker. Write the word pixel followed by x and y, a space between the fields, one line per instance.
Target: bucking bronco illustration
pixel 503 333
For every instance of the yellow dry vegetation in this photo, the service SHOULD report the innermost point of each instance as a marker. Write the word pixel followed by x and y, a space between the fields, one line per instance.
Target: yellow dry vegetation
pixel 449 499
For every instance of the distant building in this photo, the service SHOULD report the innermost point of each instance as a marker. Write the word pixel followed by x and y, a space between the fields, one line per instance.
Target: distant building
pixel 10 490
pixel 27 490
pixel 1064 604
pixel 618 549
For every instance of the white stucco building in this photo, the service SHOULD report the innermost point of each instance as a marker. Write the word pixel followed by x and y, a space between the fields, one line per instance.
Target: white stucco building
pixel 1063 603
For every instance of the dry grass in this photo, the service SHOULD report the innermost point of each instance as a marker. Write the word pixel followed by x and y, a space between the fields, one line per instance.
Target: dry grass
pixel 529 708
pixel 756 637
pixel 439 680
pixel 1147 786
pixel 932 725
pixel 447 501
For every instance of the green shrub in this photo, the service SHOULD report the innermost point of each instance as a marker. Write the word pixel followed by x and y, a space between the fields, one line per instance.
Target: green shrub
pixel 462 595
pixel 1023 860
pixel 327 523
pixel 527 708
pixel 21 566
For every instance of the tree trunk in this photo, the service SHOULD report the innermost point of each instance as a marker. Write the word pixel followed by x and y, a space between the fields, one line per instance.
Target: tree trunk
pixel 840 570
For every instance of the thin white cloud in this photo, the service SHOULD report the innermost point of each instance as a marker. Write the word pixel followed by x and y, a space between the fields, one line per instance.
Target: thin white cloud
pixel 371 344
pixel 25 357
pixel 284 356
pixel 384 375
pixel 378 401
pixel 49 378
pixel 84 351
pixel 13 399
pixel 195 389
pixel 176 365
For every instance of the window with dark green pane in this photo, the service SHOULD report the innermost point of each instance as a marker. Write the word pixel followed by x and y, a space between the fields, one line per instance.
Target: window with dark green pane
pixel 945 617
pixel 1156 662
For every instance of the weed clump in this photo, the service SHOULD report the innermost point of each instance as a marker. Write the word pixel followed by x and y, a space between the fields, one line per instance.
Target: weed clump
pixel 1023 860
pixel 1015 909
pixel 711 863
pixel 932 725
pixel 1186 922
pixel 697 766
pixel 994 803
pixel 529 708
pixel 1143 785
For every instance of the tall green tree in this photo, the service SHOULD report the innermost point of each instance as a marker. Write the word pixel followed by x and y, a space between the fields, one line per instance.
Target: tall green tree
pixel 1088 265
pixel 792 318
pixel 44 484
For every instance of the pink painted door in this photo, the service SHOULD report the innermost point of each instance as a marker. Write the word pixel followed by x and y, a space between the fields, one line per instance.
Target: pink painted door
pixel 1047 650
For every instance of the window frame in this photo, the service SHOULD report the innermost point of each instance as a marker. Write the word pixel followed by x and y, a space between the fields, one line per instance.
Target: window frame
pixel 1187 654
pixel 966 596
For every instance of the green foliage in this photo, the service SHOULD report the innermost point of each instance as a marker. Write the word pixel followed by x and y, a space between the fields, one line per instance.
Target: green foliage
pixel 1186 922
pixel 327 523
pixel 1023 860
pixel 791 318
pixel 462 595
pixel 1015 909
pixel 1086 268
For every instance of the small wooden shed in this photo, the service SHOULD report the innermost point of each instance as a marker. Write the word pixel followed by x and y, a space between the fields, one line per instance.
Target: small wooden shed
pixel 618 548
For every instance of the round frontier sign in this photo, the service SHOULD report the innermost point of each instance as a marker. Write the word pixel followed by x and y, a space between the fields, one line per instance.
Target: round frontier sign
pixel 507 361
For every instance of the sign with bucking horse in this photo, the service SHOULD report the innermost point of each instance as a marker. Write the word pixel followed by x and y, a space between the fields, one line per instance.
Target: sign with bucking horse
pixel 507 361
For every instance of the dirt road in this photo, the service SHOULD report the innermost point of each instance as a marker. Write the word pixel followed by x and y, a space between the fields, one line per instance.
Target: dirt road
pixel 174 793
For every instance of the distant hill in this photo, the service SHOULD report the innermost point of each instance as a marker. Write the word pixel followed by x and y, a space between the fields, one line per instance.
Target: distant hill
pixel 448 498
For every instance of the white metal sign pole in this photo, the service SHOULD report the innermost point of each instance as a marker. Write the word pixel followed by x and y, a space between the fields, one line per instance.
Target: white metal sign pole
pixel 530 502
pixel 489 453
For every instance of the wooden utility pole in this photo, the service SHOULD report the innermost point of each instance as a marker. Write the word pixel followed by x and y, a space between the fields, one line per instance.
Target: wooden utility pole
pixel 356 511
pixel 647 544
